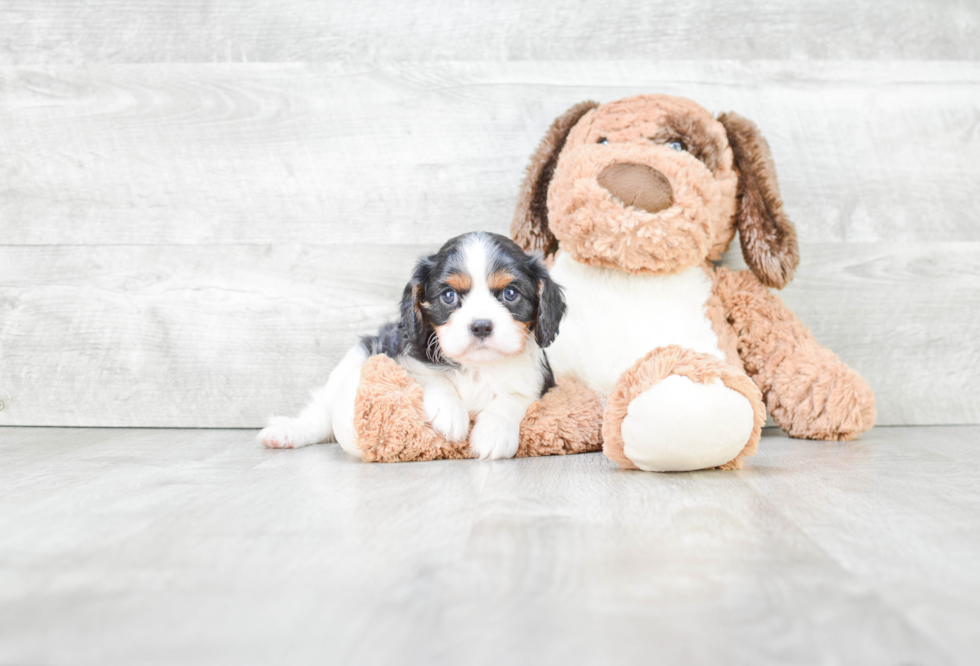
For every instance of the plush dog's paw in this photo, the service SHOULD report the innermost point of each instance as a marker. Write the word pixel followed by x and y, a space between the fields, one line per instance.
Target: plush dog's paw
pixel 680 425
pixel 285 433
pixel 494 438
pixel 447 415
pixel 837 404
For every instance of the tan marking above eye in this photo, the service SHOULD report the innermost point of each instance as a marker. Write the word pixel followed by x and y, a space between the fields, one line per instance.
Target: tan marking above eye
pixel 499 280
pixel 459 281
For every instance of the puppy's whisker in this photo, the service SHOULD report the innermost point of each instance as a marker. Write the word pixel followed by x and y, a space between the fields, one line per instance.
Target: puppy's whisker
pixel 432 350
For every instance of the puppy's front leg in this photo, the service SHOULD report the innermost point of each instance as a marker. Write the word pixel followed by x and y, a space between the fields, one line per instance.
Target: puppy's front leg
pixel 497 431
pixel 444 408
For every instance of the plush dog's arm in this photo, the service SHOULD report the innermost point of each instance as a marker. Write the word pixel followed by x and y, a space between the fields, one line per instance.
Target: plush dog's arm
pixel 808 390
pixel 391 425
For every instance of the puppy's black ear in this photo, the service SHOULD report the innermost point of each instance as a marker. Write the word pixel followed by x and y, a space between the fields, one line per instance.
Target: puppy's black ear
pixel 413 316
pixel 551 305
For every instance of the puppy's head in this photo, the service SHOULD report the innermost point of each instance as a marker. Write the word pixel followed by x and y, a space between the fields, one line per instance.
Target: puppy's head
pixel 478 300
pixel 654 184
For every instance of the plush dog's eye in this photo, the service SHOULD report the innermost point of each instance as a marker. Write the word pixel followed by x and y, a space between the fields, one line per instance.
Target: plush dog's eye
pixel 449 297
pixel 510 294
pixel 676 145
pixel 603 140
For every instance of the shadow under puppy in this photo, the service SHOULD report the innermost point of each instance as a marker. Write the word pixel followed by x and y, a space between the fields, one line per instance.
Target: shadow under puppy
pixel 475 319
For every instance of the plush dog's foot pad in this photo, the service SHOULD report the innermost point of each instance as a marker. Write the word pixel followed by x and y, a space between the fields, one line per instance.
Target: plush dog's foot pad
pixel 390 423
pixel 686 423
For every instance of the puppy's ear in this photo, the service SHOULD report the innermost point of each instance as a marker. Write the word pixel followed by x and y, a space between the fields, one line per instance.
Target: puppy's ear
pixel 530 224
pixel 551 305
pixel 412 314
pixel 767 236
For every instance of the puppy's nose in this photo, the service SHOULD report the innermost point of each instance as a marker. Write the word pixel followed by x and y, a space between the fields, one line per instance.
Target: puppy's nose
pixel 481 328
pixel 638 185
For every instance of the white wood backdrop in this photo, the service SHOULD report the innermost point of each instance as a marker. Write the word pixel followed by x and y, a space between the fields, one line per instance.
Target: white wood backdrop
pixel 201 206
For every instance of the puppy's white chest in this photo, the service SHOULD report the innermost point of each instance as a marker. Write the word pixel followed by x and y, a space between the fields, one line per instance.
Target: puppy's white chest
pixel 518 375
pixel 614 318
pixel 475 392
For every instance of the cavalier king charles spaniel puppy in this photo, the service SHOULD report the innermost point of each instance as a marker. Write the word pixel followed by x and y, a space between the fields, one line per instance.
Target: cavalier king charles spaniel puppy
pixel 475 319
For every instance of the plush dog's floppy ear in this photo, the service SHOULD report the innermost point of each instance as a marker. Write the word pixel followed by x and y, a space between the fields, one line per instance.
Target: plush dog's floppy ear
pixel 529 227
pixel 551 305
pixel 413 318
pixel 768 237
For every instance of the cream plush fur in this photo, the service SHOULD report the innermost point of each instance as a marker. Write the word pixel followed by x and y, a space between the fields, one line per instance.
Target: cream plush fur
pixel 601 300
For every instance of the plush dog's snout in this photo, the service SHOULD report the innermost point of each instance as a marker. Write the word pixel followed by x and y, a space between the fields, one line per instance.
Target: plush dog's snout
pixel 481 328
pixel 638 185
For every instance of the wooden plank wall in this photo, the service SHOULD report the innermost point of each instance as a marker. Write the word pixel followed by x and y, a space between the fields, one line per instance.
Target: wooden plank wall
pixel 202 205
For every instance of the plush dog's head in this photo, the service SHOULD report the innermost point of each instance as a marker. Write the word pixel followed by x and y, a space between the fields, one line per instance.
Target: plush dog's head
pixel 654 184
pixel 479 299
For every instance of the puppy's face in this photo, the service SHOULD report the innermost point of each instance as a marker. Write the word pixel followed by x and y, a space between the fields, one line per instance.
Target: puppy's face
pixel 479 299
pixel 645 184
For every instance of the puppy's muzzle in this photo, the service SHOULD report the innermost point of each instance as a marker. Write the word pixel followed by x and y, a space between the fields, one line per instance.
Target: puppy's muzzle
pixel 638 185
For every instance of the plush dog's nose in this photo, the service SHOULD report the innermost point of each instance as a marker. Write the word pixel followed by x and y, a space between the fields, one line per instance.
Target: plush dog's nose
pixel 638 185
pixel 481 328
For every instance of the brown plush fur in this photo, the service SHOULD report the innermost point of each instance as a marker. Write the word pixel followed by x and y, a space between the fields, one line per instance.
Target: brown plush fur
pixel 596 227
pixel 388 417
pixel 561 199
pixel 567 419
pixel 808 390
pixel 530 224
pixel 767 236
pixel 659 364
pixel 714 310
pixel 391 425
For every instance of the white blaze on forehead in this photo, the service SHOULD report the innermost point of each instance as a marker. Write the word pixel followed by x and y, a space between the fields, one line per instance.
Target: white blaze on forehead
pixel 476 261
pixel 479 303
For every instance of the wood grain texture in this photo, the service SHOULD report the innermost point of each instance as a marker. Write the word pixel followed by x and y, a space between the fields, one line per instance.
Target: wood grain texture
pixel 82 31
pixel 224 336
pixel 196 245
pixel 417 152
pixel 884 508
pixel 206 336
pixel 193 547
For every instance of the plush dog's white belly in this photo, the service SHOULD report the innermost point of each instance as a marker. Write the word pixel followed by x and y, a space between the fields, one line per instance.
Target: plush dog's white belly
pixel 614 318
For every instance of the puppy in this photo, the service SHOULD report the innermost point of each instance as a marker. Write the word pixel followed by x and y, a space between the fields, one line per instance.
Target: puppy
pixel 475 319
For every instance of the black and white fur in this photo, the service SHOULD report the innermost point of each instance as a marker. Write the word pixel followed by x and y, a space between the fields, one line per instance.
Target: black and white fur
pixel 475 319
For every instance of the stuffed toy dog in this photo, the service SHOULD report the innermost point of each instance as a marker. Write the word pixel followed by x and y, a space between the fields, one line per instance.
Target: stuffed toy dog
pixel 674 359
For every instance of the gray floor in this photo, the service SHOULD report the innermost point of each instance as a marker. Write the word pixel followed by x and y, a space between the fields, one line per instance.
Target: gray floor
pixel 197 546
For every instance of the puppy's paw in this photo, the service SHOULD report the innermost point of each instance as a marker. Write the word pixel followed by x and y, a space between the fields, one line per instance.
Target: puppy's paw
pixel 447 415
pixel 285 433
pixel 494 438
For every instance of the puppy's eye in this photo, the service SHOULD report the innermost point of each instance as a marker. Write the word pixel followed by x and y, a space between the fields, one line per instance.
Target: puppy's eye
pixel 603 140
pixel 676 145
pixel 449 297
pixel 510 294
